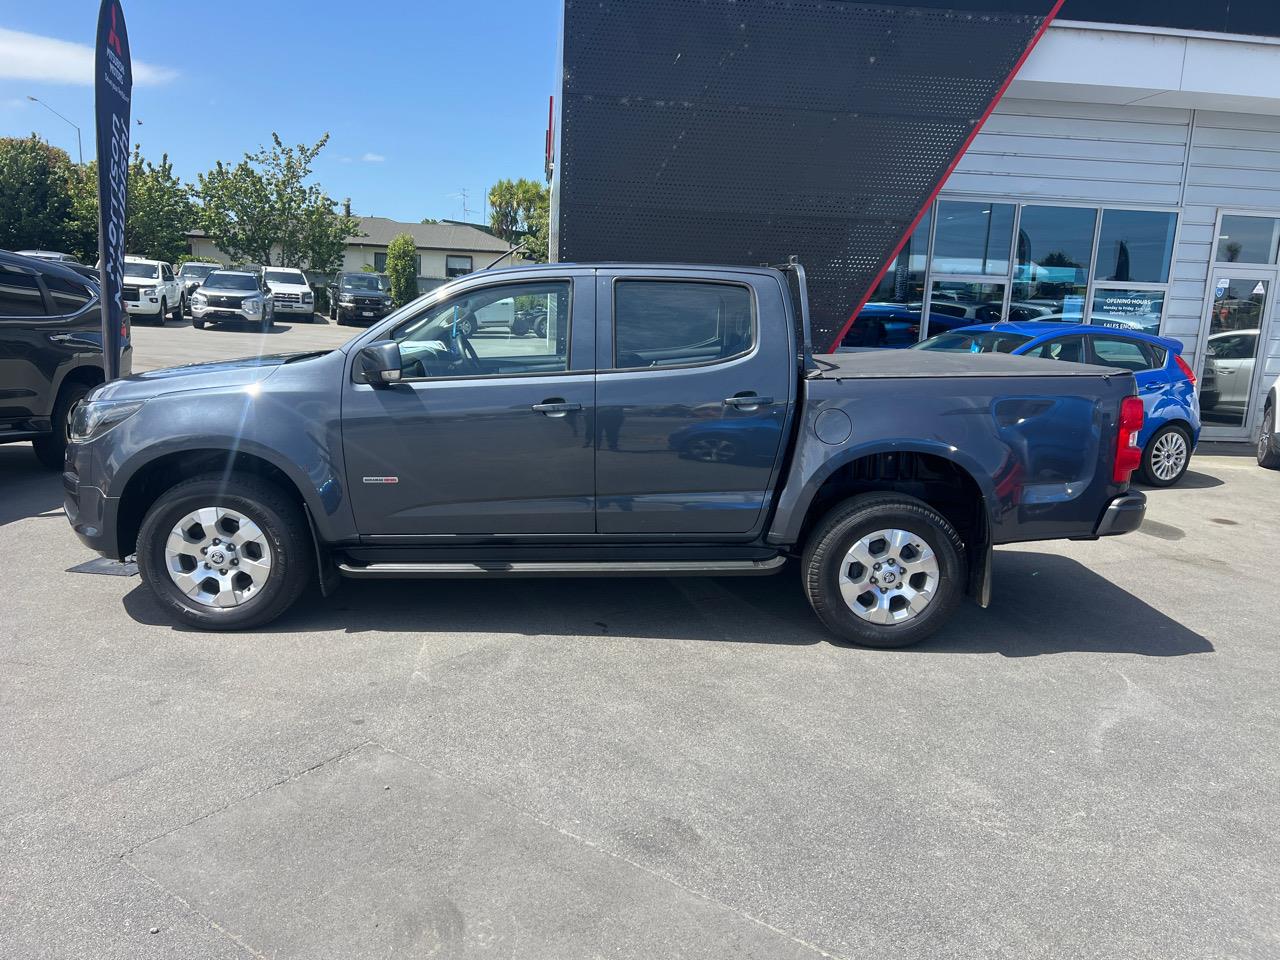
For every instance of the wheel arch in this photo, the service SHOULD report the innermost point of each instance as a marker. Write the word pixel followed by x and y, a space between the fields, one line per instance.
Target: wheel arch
pixel 939 475
pixel 149 479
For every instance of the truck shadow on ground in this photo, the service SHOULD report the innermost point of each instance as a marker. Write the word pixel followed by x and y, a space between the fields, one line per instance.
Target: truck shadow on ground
pixel 27 489
pixel 1042 604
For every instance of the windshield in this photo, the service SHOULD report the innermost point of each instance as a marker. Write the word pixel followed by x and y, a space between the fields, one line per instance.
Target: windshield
pixel 286 276
pixel 367 282
pixel 141 271
pixel 231 281
pixel 989 341
pixel 196 271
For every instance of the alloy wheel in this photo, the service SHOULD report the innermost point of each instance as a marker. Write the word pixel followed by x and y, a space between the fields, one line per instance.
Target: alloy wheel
pixel 889 576
pixel 218 557
pixel 1169 455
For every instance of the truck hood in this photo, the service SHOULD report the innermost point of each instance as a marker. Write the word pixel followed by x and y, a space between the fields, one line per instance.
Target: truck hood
pixel 288 287
pixel 218 375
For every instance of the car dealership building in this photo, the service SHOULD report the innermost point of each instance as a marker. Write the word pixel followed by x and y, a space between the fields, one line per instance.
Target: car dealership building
pixel 1129 175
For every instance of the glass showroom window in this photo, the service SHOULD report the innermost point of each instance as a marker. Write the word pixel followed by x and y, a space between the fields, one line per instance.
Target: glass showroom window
pixel 1051 263
pixel 1248 239
pixel 891 317
pixel 969 270
pixel 1131 277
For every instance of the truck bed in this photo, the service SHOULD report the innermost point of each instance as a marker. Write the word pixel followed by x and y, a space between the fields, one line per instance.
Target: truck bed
pixel 907 364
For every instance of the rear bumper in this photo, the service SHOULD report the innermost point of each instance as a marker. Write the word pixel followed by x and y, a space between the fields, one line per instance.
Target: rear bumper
pixel 1123 514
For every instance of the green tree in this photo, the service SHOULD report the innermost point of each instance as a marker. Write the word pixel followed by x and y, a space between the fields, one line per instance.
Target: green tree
pixel 520 210
pixel 35 195
pixel 158 211
pixel 402 269
pixel 266 209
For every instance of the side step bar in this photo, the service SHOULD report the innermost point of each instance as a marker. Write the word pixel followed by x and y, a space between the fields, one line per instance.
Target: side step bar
pixel 540 568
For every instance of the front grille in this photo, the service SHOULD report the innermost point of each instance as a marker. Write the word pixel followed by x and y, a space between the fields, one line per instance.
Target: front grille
pixel 233 302
pixel 368 301
pixel 130 293
pixel 287 297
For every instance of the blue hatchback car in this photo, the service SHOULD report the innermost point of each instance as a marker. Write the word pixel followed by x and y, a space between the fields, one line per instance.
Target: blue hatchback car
pixel 1171 426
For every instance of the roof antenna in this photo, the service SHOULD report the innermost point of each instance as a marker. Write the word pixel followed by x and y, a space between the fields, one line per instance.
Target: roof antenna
pixel 511 252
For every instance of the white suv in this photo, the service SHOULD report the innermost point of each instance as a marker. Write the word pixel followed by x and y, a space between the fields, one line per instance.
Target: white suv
pixel 290 291
pixel 151 290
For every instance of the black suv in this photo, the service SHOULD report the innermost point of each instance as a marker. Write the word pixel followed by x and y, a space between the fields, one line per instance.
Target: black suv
pixel 358 298
pixel 50 351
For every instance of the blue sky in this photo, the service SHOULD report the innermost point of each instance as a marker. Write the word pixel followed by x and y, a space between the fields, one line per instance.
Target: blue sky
pixel 422 98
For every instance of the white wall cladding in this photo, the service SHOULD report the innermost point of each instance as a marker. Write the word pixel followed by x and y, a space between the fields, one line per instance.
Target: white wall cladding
pixel 1107 154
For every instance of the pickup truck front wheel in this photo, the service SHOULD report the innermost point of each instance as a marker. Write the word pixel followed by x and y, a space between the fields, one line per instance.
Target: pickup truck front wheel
pixel 884 570
pixel 225 553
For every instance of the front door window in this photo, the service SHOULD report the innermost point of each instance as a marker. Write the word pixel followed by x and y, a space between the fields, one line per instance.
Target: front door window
pixel 1235 325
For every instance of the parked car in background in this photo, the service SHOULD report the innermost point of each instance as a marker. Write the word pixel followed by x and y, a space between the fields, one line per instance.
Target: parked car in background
pixel 232 296
pixel 152 290
pixel 1268 441
pixel 1171 424
pixel 416 451
pixel 358 298
pixel 1228 368
pixel 290 291
pixel 192 273
pixel 50 351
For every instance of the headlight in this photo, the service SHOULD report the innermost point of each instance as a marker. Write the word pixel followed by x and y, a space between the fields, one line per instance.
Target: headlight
pixel 91 420
pixel 347 300
pixel 148 291
pixel 199 299
pixel 251 304
pixel 308 297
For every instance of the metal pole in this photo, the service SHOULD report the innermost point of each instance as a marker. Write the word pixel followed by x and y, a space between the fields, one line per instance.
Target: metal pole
pixel 79 148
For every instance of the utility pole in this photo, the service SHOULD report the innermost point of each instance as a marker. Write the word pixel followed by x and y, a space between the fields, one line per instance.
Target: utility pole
pixel 79 148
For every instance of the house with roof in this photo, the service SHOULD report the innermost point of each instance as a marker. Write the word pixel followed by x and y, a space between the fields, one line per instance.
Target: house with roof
pixel 446 249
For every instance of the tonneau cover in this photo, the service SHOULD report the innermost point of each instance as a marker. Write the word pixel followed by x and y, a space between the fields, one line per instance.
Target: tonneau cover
pixel 897 364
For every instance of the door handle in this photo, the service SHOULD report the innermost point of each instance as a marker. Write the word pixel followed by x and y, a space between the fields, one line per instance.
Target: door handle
pixel 555 407
pixel 747 401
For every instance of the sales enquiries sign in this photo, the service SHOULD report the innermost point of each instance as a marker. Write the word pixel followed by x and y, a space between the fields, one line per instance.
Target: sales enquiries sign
pixel 113 88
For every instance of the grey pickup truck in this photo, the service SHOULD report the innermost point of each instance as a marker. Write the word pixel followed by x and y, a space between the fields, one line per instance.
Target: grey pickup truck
pixel 663 421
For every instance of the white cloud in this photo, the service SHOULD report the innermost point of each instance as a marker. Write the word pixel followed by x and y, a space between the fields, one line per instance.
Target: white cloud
pixel 29 56
pixel 373 158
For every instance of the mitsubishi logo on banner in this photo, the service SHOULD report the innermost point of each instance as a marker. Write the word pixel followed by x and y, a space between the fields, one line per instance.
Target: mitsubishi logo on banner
pixel 112 90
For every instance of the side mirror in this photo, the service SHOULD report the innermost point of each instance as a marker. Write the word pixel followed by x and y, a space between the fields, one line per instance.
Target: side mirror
pixel 379 363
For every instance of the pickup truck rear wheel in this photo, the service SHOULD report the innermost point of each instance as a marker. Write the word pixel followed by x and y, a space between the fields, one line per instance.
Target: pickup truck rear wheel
pixel 225 553
pixel 1268 442
pixel 884 570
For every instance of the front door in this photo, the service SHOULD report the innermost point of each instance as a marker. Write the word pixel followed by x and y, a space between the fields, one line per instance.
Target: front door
pixel 1238 322
pixel 487 434
pixel 692 401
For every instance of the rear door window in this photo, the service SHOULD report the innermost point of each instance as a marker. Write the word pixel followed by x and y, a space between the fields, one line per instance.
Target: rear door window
pixel 1121 352
pixel 68 297
pixel 20 295
pixel 666 323
pixel 1068 349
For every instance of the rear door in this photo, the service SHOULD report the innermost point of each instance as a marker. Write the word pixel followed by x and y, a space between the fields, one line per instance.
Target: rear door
pixel 692 400
pixel 28 360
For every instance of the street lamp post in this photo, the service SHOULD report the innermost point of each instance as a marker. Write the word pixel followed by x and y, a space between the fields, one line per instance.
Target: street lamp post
pixel 79 147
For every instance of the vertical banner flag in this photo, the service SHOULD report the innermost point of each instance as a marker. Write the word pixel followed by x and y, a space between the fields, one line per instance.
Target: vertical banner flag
pixel 113 87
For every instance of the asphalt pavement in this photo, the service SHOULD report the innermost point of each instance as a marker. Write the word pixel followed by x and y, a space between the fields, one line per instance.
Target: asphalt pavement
pixel 649 768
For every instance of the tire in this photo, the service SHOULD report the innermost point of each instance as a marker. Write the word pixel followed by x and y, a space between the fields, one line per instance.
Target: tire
pixel 1268 442
pixel 540 327
pixel 283 531
pixel 51 449
pixel 164 311
pixel 1166 457
pixel 845 527
pixel 181 310
pixel 197 324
